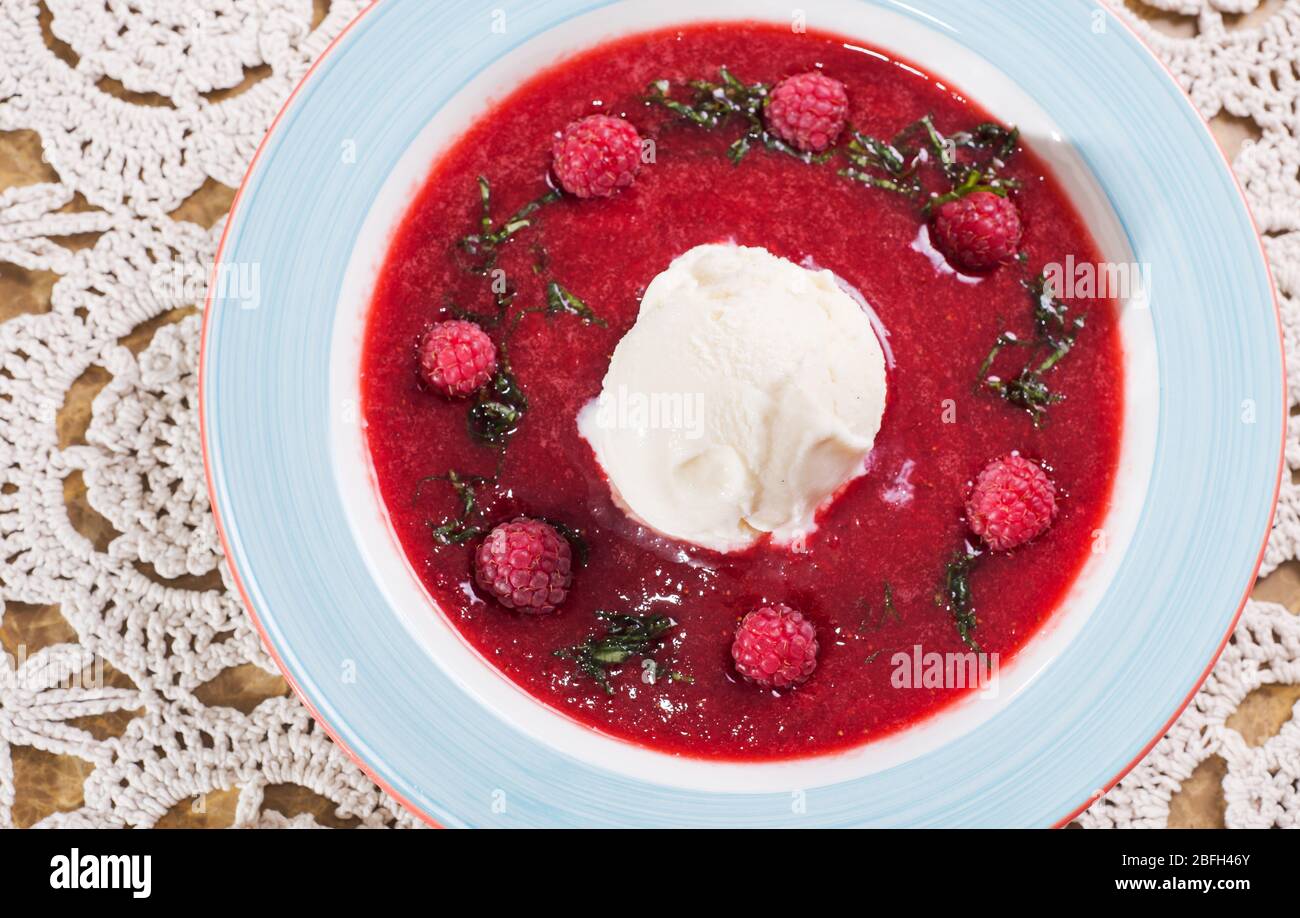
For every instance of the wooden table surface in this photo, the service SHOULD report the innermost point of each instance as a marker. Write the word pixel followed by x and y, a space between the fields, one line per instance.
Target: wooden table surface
pixel 48 783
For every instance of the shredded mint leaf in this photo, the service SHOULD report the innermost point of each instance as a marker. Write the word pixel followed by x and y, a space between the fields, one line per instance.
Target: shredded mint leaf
pixel 483 245
pixel 455 530
pixel 1028 391
pixel 496 413
pixel 715 104
pixel 973 181
pixel 955 595
pixel 625 636
pixel 945 150
pixel 560 300
pixel 1055 334
pixel 882 165
pixel 454 533
pixel 499 407
pixel 882 155
pixel 1052 322
pixel 896 165
pixel 1002 142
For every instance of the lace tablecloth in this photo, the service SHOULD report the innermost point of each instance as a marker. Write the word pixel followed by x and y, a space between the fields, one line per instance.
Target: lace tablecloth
pixel 127 652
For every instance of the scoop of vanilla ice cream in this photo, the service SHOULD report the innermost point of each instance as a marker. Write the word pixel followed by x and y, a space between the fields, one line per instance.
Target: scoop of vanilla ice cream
pixel 748 392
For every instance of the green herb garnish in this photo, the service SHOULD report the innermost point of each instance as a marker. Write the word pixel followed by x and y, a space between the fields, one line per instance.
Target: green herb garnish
pixel 560 300
pixel 973 181
pixel 1055 333
pixel 499 407
pixel 1000 141
pixel 955 595
pixel 882 165
pixel 715 104
pixel 1028 392
pixel 496 413
pixel 625 636
pixel 1052 322
pixel 453 533
pixel 896 165
pixel 484 244
pixel 942 148
pixel 456 530
pixel 996 143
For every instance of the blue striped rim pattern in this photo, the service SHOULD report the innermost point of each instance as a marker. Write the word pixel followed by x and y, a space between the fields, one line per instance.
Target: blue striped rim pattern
pixel 1084 718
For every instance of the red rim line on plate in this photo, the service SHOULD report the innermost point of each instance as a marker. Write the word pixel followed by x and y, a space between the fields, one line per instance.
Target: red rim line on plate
pixel 370 771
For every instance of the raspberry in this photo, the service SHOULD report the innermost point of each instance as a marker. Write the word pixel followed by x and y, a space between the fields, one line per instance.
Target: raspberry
pixel 1013 501
pixel 808 111
pixel 457 357
pixel 775 647
pixel 526 565
pixel 978 232
pixel 597 155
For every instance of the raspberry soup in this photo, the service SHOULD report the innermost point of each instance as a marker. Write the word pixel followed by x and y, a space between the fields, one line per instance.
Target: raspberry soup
pixel 867 578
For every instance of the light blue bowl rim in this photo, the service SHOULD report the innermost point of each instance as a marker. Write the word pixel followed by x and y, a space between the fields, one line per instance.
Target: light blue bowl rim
pixel 1211 495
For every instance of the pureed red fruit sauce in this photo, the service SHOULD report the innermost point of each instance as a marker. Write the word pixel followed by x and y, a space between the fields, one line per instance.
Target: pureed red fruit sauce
pixel 873 577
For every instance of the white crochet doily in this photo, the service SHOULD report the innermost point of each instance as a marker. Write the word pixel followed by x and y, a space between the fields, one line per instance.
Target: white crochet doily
pixel 138 159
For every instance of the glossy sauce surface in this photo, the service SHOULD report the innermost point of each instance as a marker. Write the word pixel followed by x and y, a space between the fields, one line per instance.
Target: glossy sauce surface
pixel 898 525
